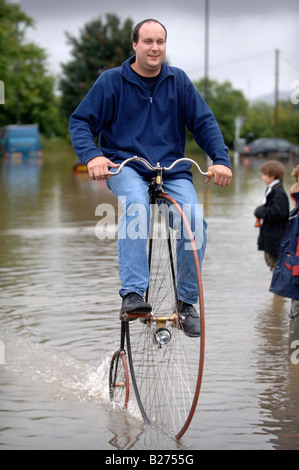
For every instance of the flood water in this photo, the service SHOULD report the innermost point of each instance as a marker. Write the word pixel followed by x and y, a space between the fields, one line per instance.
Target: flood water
pixel 59 322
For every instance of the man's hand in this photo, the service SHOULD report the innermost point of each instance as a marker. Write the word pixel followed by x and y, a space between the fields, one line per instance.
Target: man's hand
pixel 222 175
pixel 98 168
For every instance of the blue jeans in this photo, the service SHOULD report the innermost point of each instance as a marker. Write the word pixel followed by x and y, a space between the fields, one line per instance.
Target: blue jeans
pixel 133 227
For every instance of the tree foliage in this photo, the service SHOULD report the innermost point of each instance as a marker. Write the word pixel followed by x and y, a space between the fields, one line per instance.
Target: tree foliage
pixel 226 104
pixel 29 89
pixel 260 121
pixel 101 45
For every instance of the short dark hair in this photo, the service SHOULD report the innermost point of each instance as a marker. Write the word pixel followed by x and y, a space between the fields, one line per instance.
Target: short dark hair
pixel 273 168
pixel 138 26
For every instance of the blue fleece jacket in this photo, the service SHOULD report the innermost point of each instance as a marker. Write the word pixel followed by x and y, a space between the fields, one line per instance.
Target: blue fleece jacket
pixel 129 121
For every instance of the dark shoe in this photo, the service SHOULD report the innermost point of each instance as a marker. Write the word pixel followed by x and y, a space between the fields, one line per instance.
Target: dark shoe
pixel 134 303
pixel 190 321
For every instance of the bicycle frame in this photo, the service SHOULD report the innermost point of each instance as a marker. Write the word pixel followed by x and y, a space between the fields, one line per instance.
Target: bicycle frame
pixel 158 322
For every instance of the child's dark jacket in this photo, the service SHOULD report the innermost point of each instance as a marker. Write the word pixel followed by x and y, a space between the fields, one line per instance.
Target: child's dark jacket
pixel 285 280
pixel 275 214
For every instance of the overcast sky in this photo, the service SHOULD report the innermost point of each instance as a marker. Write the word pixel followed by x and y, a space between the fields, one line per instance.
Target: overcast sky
pixel 243 35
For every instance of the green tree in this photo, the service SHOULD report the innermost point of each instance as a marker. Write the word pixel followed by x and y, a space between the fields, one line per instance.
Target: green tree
pixel 260 121
pixel 226 104
pixel 288 121
pixel 13 23
pixel 101 45
pixel 29 89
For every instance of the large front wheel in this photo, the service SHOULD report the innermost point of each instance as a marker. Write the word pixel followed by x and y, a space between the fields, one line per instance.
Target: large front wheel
pixel 166 364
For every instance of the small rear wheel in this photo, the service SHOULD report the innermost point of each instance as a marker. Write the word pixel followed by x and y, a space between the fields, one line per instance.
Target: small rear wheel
pixel 119 384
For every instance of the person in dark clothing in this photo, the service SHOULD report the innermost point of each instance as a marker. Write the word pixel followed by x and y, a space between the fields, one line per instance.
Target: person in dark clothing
pixel 273 213
pixel 285 280
pixel 143 108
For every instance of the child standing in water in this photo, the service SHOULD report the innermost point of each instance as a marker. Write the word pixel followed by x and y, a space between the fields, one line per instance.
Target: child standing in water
pixel 273 213
pixel 285 281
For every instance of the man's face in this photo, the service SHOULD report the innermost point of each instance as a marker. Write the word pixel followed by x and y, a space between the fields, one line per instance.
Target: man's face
pixel 150 49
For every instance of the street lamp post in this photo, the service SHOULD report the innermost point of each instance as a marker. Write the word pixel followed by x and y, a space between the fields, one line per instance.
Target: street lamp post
pixel 206 91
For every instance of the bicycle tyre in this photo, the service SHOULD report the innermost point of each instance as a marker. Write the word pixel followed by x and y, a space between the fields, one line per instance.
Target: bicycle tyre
pixel 167 378
pixel 119 382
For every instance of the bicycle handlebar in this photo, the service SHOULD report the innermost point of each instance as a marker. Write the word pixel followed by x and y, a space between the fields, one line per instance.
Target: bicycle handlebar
pixel 209 174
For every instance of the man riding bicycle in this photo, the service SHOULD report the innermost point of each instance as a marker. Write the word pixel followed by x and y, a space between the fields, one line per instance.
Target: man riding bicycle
pixel 143 108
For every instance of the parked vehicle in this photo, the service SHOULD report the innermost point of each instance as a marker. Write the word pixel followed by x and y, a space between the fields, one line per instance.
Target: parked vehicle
pixel 21 141
pixel 269 145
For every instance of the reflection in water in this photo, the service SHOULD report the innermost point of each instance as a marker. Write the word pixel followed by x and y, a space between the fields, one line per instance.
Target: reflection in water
pixel 59 322
pixel 279 412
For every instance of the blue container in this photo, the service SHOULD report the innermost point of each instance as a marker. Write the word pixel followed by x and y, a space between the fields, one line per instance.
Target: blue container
pixel 20 141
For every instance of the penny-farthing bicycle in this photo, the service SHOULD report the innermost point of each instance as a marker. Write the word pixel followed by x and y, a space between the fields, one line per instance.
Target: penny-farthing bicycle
pixel 156 359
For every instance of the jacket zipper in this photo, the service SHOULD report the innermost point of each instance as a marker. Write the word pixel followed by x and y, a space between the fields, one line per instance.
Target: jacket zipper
pixel 144 88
